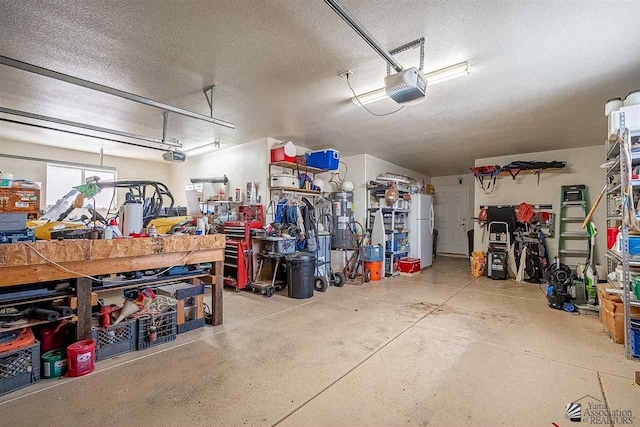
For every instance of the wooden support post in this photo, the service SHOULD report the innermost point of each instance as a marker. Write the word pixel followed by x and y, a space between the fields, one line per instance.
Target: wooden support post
pixel 216 294
pixel 83 293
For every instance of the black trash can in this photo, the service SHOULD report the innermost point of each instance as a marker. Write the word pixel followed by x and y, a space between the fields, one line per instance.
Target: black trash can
pixel 301 267
pixel 470 234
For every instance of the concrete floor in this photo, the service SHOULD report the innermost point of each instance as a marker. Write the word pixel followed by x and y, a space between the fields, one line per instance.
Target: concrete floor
pixel 437 349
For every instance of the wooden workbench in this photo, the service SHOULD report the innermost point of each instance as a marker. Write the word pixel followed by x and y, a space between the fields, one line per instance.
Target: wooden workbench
pixel 27 263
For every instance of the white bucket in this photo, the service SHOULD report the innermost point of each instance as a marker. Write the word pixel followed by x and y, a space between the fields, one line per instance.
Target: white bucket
pixel 131 218
pixel 632 99
pixel 612 105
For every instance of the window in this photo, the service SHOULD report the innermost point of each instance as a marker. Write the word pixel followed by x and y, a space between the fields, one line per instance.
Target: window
pixel 61 179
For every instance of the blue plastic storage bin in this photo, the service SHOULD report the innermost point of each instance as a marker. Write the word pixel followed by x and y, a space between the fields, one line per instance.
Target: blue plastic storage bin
pixel 634 245
pixel 324 159
pixel 372 253
pixel 635 338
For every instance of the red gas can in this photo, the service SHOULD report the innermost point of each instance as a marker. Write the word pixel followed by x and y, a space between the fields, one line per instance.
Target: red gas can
pixel 81 358
pixel 55 336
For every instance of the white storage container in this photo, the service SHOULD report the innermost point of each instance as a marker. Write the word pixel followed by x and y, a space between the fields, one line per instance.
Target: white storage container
pixel 284 180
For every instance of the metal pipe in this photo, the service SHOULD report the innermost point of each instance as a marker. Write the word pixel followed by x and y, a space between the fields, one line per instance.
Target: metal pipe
pixel 165 125
pixel 109 90
pixel 362 32
pixel 211 180
pixel 57 162
pixel 89 127
pixel 81 134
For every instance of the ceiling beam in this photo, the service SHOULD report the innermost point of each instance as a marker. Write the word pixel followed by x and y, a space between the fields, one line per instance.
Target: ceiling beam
pixel 18 122
pixel 163 141
pixel 362 32
pixel 111 91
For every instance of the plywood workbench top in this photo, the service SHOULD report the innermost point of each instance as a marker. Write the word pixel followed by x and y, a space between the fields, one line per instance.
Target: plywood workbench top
pixel 23 262
pixel 21 254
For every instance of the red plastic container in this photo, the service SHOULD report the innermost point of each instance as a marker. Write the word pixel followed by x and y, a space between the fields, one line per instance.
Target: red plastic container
pixel 612 235
pixel 284 152
pixel 81 358
pixel 409 265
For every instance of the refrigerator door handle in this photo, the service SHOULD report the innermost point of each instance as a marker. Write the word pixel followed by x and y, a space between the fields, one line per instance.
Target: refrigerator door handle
pixel 432 218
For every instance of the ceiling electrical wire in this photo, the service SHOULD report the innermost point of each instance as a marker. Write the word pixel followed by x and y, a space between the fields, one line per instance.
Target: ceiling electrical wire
pixel 362 105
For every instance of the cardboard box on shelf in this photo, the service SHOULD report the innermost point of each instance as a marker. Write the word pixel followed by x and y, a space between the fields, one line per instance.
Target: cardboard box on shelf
pixel 612 313
pixel 15 200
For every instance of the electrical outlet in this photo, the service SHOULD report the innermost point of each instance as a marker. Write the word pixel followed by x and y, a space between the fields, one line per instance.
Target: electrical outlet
pixel 346 73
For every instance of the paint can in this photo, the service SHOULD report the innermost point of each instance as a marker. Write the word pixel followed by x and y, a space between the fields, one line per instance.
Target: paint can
pixel 54 364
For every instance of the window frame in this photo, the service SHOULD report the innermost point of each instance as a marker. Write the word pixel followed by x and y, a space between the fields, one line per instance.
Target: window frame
pixel 83 176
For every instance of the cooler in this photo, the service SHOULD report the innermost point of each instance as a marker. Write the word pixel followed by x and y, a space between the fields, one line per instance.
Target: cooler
pixel 283 152
pixel 409 266
pixel 324 159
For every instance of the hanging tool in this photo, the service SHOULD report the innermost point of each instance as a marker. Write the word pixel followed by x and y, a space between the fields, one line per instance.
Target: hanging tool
pixel 593 208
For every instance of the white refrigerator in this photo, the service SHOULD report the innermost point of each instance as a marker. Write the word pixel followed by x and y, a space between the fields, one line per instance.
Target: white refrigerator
pixel 421 229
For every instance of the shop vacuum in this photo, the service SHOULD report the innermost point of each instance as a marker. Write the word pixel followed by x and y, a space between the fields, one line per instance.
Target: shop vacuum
pixel 559 285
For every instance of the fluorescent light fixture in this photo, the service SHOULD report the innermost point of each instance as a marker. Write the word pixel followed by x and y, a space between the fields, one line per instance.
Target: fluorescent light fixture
pixel 434 77
pixel 369 97
pixel 448 73
pixel 202 149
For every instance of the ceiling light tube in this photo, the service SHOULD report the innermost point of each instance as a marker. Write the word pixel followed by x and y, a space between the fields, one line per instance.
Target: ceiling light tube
pixel 369 97
pixel 433 78
pixel 448 73
pixel 202 149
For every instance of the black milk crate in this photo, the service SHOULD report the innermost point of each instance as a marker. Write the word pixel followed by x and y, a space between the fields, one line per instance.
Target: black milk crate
pixel 116 339
pixel 19 368
pixel 166 328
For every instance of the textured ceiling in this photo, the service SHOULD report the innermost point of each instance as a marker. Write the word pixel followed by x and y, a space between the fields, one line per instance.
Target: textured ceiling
pixel 541 72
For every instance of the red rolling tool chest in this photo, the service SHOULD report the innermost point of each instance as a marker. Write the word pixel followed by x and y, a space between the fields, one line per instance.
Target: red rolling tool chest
pixel 238 253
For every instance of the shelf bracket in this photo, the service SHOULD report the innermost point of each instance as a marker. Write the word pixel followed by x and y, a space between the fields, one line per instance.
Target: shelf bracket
pixel 208 94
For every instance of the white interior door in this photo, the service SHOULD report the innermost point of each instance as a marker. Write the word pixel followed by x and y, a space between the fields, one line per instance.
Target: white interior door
pixel 450 220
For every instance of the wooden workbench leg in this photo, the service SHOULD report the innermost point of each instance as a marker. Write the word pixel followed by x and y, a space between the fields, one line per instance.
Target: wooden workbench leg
pixel 83 293
pixel 216 294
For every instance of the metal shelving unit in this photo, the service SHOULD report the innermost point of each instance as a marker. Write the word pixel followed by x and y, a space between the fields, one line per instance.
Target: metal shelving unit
pixel 618 177
pixel 391 228
pixel 205 205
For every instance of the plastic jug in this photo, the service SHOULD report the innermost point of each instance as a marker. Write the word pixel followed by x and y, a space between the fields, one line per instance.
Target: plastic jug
pixel 81 358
